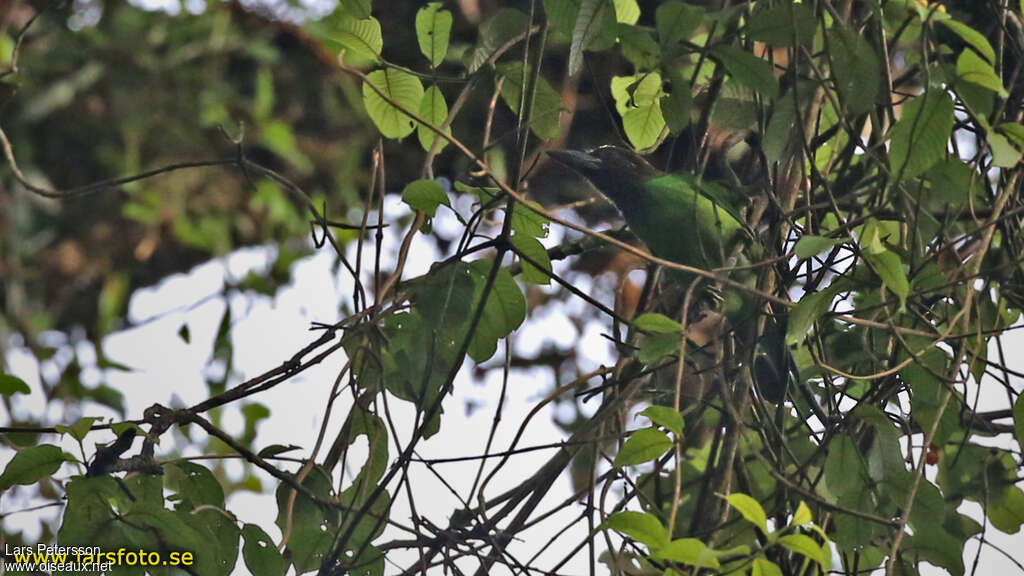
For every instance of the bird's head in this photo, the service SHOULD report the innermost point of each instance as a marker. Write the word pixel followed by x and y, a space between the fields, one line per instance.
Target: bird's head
pixel 616 172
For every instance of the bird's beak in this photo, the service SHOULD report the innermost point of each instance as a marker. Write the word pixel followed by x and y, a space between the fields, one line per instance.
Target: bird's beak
pixel 581 162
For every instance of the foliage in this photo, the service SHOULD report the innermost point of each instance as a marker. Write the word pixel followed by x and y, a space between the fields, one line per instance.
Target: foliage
pixel 875 152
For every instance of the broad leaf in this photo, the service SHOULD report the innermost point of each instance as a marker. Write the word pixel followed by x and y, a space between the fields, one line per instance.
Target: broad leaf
pixel 433 28
pixel 401 87
pixel 919 138
pixel 642 446
pixel 433 109
pixel 855 70
pixel 642 527
pixel 360 36
pixel 425 195
pixel 747 69
pixel 594 30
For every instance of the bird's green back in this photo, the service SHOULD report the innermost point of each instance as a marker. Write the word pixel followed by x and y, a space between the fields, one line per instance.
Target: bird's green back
pixel 684 222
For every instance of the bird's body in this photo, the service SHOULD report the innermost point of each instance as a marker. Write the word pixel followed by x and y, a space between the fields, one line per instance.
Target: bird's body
pixel 681 220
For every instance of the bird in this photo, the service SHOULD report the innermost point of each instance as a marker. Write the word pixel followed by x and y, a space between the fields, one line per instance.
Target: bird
pixel 693 223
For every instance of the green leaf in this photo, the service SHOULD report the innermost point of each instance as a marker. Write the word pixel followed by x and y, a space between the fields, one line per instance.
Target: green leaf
pixel 360 36
pixel 403 88
pixel 844 468
pixel 806 312
pixel 953 184
pixel 643 125
pixel 642 446
pixel 594 30
pixel 1008 515
pixel 971 68
pixel 750 509
pixel 658 346
pixel 972 37
pixel 495 32
pixel 529 223
pixel 1013 131
pixel 193 485
pixel 79 429
pixel 1004 155
pixel 642 527
pixel 854 69
pixel 889 267
pixel 639 47
pixel 764 567
pixel 802 515
pixel 676 20
pixel 433 28
pixel 433 109
pixel 535 251
pixel 635 91
pixel 425 196
pixel 804 545
pixel 309 543
pixel 11 385
pixel 626 11
pixel 810 245
pixel 688 551
pixel 260 553
pixel 561 16
pixel 675 107
pixel 665 416
pixel 276 450
pixel 32 464
pixel 919 137
pixel 504 310
pixel 778 24
pixel 547 103
pixel 747 69
pixel 358 8
pixel 657 323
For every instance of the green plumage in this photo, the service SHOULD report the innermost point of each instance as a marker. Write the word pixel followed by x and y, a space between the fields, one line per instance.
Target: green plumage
pixel 686 222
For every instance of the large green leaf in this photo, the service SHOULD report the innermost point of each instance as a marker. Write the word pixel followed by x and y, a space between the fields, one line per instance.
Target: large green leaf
pixel 536 270
pixel 626 11
pixel 504 310
pixel 676 20
pixel 401 87
pixel 495 32
pixel 433 28
pixel 642 446
pixel 547 104
pixel 747 69
pixel 358 8
pixel 782 24
pixel 31 464
pixel 854 69
pixel 561 15
pixel 642 527
pixel 639 47
pixel 260 554
pixel 971 68
pixel 643 125
pixel 594 30
pixel 425 195
pixel 433 109
pixel 976 39
pixel 919 138
pixel 360 36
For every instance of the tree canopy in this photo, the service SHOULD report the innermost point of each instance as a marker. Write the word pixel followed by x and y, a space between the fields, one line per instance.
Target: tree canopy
pixel 872 151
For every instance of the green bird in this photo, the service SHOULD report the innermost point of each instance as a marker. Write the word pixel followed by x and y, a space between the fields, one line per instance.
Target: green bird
pixel 691 223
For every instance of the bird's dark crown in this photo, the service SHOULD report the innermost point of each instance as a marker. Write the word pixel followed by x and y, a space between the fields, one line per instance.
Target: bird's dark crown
pixel 618 173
